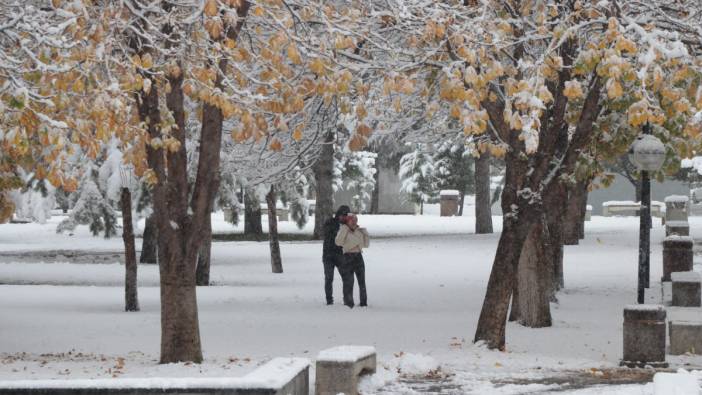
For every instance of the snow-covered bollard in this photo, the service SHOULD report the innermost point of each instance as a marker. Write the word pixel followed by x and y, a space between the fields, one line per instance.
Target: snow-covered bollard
pixel 680 228
pixel 339 368
pixel 677 255
pixel 644 336
pixel 449 202
pixel 685 337
pixel 676 208
pixel 686 289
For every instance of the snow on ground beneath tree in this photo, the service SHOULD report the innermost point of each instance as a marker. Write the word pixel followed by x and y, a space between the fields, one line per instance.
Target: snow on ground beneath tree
pixel 426 279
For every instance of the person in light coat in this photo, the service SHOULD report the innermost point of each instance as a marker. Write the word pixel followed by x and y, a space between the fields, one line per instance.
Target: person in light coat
pixel 353 239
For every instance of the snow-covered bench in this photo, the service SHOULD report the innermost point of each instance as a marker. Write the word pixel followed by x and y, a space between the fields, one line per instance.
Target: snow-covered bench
pixel 687 291
pixel 629 208
pixel 338 369
pixel 280 376
pixel 685 337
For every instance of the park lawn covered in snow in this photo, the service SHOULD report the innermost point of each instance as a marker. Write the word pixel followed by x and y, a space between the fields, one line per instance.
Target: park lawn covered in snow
pixel 426 279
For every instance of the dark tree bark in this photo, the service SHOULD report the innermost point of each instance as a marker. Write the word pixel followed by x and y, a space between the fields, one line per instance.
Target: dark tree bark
pixel 323 174
pixel 181 219
pixel 554 222
pixel 204 256
pixel 483 212
pixel 574 215
pixel 462 200
pixel 276 260
pixel 130 265
pixel 149 244
pixel 252 214
pixel 534 278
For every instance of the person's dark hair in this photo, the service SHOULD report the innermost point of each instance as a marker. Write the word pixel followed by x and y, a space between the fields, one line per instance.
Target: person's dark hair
pixel 342 211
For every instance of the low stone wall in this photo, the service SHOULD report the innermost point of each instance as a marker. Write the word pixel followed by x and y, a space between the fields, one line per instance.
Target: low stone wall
pixel 280 376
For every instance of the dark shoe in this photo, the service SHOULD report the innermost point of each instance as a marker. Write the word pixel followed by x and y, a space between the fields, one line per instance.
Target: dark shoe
pixel 363 305
pixel 350 306
pixel 330 302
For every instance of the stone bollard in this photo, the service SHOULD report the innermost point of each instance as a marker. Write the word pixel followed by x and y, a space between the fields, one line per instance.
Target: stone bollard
pixel 676 208
pixel 680 228
pixel 449 202
pixel 677 255
pixel 644 336
pixel 687 289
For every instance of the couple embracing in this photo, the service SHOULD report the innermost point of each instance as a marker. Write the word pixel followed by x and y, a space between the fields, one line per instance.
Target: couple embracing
pixel 344 242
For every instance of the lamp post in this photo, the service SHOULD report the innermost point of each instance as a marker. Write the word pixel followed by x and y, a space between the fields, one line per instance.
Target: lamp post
pixel 130 279
pixel 647 153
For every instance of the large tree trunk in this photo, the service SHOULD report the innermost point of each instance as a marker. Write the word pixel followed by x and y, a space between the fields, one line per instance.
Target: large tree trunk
pixel 555 211
pixel 149 244
pixel 493 316
pixel 204 256
pixel 483 212
pixel 323 174
pixel 534 278
pixel 130 265
pixel 514 314
pixel 276 260
pixel 574 216
pixel 252 214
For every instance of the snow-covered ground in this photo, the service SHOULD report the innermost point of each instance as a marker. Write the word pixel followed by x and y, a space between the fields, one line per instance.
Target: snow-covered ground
pixel 426 279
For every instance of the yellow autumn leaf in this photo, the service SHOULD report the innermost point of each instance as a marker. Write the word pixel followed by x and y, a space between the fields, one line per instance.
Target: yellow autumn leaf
pixel 297 133
pixel 614 89
pixel 573 90
pixel 211 8
pixel 293 54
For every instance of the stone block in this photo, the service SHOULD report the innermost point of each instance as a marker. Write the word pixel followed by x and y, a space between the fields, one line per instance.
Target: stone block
pixel 677 255
pixel 676 208
pixel 680 228
pixel 338 369
pixel 448 202
pixel 685 337
pixel 686 289
pixel 280 376
pixel 644 336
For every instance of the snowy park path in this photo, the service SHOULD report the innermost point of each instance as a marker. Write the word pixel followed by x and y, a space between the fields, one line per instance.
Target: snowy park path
pixel 425 292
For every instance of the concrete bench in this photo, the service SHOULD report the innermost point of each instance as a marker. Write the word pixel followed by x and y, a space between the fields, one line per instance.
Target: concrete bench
pixel 630 209
pixel 280 376
pixel 339 368
pixel 686 289
pixel 677 255
pixel 680 228
pixel 685 337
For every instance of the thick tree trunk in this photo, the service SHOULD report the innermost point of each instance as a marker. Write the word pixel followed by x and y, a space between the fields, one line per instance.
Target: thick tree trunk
pixel 252 214
pixel 583 213
pixel 555 211
pixel 323 174
pixel 483 212
pixel 149 244
pixel 130 265
pixel 514 314
pixel 276 260
pixel 573 215
pixel 493 316
pixel 180 331
pixel 535 274
pixel 204 256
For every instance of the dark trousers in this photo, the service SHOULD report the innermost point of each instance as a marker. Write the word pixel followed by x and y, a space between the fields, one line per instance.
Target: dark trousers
pixel 353 265
pixel 329 264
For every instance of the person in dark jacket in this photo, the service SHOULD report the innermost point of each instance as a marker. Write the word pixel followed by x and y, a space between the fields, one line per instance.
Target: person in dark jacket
pixel 332 255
